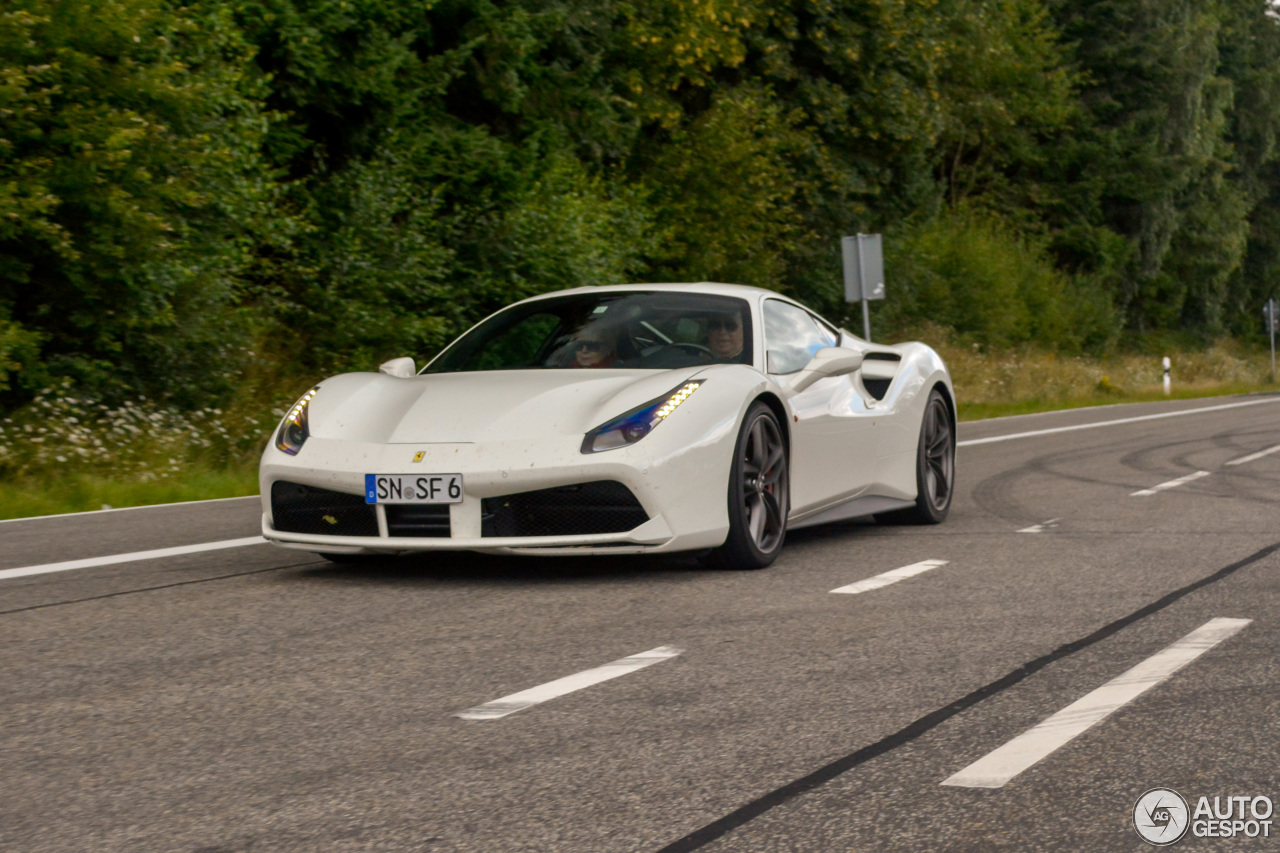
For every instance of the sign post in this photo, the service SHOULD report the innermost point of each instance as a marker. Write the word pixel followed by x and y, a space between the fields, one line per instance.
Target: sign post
pixel 863 273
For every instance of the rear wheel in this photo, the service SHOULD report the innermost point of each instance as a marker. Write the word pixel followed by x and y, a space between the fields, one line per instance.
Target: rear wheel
pixel 935 467
pixel 758 494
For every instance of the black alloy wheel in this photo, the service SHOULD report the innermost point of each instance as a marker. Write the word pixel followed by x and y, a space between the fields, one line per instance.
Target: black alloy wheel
pixel 759 494
pixel 935 467
pixel 939 452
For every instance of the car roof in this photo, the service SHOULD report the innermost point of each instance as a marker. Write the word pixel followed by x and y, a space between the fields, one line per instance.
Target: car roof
pixel 742 291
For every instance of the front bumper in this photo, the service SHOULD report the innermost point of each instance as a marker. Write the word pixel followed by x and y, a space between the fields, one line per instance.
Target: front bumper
pixel 650 536
pixel 682 490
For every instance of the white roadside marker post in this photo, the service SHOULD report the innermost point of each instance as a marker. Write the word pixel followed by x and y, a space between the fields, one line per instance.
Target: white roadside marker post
pixel 1167 364
pixel 1272 313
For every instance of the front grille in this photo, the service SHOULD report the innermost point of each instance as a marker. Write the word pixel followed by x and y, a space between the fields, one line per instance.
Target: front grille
pixel 296 508
pixel 418 520
pixel 603 506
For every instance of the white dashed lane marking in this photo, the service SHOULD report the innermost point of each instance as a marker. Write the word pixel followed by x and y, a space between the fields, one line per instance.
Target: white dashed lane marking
pixel 552 689
pixel 890 577
pixel 998 767
pixel 1042 526
pixel 1253 456
pixel 1172 484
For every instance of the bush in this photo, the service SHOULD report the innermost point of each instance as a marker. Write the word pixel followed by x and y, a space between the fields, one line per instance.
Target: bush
pixel 975 274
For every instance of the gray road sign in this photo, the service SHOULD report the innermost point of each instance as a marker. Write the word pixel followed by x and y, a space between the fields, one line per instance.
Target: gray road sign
pixel 863 267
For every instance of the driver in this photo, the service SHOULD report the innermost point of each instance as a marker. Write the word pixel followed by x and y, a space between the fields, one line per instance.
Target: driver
pixel 724 335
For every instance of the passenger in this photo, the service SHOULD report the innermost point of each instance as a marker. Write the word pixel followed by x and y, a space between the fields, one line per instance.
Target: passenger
pixel 595 348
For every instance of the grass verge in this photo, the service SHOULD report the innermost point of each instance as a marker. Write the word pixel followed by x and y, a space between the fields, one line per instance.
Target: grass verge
pixel 981 411
pixel 51 494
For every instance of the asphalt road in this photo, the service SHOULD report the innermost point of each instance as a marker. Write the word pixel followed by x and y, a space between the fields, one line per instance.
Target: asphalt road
pixel 257 699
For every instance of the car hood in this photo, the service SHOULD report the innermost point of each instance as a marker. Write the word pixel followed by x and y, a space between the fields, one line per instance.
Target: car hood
pixel 480 407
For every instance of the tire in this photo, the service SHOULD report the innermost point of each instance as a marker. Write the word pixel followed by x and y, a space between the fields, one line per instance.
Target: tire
pixel 935 467
pixel 759 492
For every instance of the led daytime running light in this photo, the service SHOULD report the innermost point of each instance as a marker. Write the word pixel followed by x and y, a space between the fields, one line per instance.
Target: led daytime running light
pixel 676 399
pixel 634 425
pixel 294 431
pixel 296 411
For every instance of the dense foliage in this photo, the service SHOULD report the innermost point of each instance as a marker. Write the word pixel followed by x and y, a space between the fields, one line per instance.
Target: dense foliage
pixel 197 191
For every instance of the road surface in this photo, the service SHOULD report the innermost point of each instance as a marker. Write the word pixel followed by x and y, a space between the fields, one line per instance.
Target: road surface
pixel 1099 616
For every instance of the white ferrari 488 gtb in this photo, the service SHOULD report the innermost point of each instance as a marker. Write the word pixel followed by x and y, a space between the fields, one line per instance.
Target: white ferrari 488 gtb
pixel 642 418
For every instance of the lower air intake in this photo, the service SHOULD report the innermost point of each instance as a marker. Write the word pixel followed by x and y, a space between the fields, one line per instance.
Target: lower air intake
pixel 430 520
pixel 296 508
pixel 603 506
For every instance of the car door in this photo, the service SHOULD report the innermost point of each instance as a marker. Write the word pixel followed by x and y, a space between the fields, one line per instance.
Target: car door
pixel 833 443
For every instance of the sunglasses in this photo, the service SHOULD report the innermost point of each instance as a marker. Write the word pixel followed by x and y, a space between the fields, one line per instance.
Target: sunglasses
pixel 589 346
pixel 723 325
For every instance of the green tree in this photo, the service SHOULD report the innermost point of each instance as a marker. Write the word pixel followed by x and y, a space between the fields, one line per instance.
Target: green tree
pixel 130 188
pixel 1250 58
pixel 1007 96
pixel 463 154
pixel 1169 155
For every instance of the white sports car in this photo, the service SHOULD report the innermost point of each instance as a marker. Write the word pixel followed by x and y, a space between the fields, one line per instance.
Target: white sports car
pixel 621 419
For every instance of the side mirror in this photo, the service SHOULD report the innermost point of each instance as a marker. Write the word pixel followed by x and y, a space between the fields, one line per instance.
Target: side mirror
pixel 402 368
pixel 828 361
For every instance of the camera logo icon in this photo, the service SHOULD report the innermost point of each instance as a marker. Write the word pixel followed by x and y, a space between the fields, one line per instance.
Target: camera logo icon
pixel 1161 816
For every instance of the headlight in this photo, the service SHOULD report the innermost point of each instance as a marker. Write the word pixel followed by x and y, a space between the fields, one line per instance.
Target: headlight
pixel 293 432
pixel 637 423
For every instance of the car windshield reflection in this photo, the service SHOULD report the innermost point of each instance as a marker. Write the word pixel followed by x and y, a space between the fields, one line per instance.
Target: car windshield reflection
pixel 644 330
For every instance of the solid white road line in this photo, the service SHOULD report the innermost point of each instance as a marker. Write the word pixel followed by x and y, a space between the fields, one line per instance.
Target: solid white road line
pixel 25 571
pixel 998 767
pixel 1253 456
pixel 890 577
pixel 552 689
pixel 1172 484
pixel 1041 527
pixel 993 438
pixel 128 508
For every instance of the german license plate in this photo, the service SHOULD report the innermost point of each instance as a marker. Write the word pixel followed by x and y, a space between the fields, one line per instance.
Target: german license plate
pixel 412 488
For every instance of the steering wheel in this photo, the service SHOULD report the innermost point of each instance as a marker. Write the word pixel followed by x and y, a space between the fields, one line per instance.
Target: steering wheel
pixel 679 345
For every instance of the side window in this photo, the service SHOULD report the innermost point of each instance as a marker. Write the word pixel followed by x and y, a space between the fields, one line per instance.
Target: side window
pixel 832 331
pixel 791 336
pixel 517 347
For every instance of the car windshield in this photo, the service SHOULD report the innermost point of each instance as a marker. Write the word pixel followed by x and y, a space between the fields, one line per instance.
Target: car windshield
pixel 652 330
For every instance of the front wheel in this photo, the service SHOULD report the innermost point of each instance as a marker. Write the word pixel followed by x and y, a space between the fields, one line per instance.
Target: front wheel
pixel 935 467
pixel 758 494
